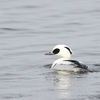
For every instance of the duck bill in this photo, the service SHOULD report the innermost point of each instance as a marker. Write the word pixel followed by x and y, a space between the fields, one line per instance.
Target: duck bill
pixel 49 53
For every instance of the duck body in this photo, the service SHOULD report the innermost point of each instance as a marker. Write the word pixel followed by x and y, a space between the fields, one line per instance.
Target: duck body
pixel 69 65
pixel 64 62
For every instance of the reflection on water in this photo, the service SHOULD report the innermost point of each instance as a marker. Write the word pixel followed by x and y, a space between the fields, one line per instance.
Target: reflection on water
pixel 69 84
pixel 62 84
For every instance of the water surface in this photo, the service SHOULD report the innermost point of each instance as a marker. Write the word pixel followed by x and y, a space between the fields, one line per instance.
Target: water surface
pixel 29 29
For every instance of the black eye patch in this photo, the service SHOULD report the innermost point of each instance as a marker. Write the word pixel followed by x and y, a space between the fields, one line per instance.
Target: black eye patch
pixel 55 51
pixel 69 50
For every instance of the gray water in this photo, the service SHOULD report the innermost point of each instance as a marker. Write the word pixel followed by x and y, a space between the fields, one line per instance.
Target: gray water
pixel 30 28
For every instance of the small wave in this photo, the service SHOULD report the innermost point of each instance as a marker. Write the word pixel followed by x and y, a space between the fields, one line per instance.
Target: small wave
pixel 29 7
pixel 96 64
pixel 11 96
pixel 95 97
pixel 94 67
pixel 48 66
pixel 9 29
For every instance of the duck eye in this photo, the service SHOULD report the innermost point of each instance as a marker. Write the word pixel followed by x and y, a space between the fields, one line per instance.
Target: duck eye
pixel 69 50
pixel 55 51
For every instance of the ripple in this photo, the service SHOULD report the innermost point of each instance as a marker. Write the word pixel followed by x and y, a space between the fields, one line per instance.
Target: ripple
pixel 11 96
pixel 96 64
pixel 48 66
pixel 9 29
pixel 29 6
pixel 97 97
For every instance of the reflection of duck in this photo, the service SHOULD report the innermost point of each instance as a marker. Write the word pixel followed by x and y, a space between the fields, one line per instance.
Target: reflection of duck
pixel 64 63
pixel 62 84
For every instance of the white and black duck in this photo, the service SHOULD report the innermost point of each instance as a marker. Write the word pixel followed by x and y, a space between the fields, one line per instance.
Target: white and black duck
pixel 64 62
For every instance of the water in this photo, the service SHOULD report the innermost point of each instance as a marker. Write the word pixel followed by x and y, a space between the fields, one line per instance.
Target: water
pixel 28 29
